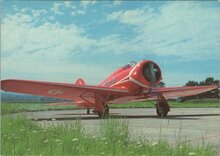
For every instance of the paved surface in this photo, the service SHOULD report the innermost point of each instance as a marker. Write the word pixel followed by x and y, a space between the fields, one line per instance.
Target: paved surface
pixel 194 125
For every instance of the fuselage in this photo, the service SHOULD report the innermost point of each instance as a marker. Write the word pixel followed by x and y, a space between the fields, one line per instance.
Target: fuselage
pixel 135 76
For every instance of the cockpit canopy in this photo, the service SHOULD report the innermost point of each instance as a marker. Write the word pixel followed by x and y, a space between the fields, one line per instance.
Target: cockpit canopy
pixel 130 64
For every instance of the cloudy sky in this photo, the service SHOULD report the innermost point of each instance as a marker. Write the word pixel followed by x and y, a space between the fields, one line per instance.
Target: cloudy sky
pixel 61 41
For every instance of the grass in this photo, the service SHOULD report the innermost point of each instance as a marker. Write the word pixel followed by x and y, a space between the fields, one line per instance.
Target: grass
pixel 7 108
pixel 195 103
pixel 24 137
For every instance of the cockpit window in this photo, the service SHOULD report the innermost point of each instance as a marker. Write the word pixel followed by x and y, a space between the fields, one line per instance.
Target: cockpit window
pixel 130 64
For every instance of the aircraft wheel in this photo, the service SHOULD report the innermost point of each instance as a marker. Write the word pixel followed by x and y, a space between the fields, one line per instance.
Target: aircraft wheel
pixel 162 106
pixel 105 113
pixel 88 111
pixel 162 111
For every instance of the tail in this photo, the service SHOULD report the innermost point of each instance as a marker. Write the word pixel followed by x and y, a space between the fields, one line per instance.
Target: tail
pixel 80 82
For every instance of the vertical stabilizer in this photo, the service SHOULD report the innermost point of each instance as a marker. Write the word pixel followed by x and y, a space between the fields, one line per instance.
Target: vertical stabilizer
pixel 80 82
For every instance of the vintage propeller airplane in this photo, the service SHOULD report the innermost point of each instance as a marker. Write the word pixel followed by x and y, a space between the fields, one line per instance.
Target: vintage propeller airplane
pixel 132 82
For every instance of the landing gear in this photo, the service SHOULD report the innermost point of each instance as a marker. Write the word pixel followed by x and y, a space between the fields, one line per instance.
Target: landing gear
pixel 162 107
pixel 88 111
pixel 101 106
pixel 105 113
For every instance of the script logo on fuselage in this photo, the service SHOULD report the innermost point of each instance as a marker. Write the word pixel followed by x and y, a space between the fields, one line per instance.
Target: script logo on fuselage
pixel 55 92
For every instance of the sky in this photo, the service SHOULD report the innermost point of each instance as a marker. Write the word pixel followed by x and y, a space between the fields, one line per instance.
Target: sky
pixel 63 41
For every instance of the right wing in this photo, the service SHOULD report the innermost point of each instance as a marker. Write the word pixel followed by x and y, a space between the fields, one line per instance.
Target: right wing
pixel 167 92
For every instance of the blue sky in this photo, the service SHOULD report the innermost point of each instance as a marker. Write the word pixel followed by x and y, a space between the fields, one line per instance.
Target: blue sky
pixel 62 41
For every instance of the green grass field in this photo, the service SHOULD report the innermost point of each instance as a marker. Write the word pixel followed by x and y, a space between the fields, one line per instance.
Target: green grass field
pixel 24 137
pixel 7 108
pixel 195 103
pixel 20 136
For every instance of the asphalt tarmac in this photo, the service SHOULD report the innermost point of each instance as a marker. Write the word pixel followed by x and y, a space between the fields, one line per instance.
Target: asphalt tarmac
pixel 192 125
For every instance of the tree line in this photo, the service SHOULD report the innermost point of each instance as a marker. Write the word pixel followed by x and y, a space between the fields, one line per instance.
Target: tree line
pixel 208 81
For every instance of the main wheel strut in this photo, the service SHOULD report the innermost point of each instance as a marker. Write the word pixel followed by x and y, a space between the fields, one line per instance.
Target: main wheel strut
pixel 162 107
pixel 105 113
pixel 88 111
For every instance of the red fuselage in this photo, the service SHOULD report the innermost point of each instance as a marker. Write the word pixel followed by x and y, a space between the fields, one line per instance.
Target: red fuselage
pixel 135 76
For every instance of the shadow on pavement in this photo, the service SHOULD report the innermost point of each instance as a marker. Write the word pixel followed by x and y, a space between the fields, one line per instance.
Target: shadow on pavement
pixel 118 116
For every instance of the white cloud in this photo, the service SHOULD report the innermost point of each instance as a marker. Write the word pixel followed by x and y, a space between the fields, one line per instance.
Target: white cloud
pixel 81 12
pixel 86 3
pixel 117 2
pixel 67 4
pixel 135 17
pixel 78 12
pixel 15 7
pixel 73 13
pixel 57 8
pixel 37 13
pixel 113 43
pixel 36 41
pixel 115 15
pixel 180 78
pixel 21 18
pixel 51 70
pixel 40 49
pixel 61 8
pixel 186 29
pixel 24 10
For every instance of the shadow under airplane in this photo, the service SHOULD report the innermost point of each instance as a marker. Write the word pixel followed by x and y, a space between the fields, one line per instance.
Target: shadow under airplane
pixel 119 116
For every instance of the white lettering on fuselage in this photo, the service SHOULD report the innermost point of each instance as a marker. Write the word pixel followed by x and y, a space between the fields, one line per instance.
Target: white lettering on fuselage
pixel 55 92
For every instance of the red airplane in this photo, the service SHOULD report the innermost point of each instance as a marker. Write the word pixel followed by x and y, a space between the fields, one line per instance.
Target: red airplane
pixel 132 82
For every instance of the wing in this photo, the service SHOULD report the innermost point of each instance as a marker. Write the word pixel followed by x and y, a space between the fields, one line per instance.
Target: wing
pixel 83 94
pixel 174 92
pixel 167 92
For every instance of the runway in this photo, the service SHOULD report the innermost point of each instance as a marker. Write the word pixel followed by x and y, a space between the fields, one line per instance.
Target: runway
pixel 193 125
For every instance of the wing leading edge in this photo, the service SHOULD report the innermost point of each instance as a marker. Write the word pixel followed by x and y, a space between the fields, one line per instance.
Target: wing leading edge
pixel 174 92
pixel 167 92
pixel 59 90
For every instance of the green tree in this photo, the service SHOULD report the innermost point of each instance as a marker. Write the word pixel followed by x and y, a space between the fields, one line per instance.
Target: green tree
pixel 192 83
pixel 210 94
pixel 208 81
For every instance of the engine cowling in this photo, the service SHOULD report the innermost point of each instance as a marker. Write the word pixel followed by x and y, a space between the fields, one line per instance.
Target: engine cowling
pixel 146 73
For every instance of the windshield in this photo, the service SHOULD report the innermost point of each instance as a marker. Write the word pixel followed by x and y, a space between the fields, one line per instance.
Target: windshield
pixel 130 64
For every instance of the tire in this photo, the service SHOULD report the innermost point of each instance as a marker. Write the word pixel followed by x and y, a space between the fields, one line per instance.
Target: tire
pixel 88 111
pixel 104 114
pixel 162 111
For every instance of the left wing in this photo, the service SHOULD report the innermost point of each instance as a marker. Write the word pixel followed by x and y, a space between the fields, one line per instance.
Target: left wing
pixel 174 92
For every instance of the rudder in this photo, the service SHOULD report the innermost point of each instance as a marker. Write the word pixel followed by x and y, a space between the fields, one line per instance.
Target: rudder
pixel 80 82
